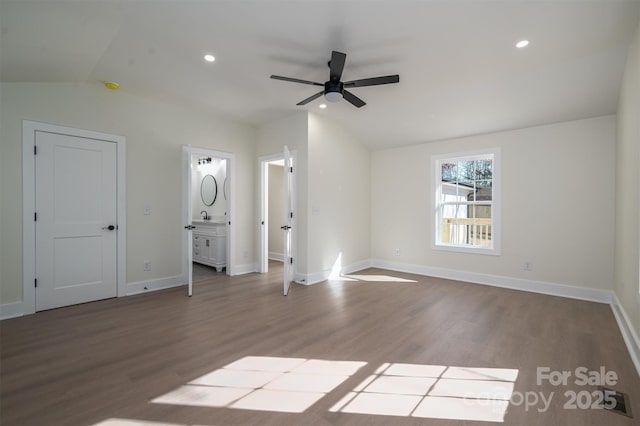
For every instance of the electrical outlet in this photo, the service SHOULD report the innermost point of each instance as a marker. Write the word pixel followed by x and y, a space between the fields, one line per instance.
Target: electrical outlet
pixel 146 265
pixel 396 252
pixel 245 254
pixel 147 210
pixel 528 265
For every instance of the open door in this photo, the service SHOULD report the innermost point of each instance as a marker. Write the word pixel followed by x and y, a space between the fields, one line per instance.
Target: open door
pixel 188 226
pixel 288 220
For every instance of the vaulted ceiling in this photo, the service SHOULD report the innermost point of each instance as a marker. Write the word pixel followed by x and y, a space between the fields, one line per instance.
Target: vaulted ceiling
pixel 460 72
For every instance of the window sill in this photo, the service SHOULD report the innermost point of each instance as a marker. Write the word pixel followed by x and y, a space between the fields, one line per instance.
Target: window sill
pixel 470 250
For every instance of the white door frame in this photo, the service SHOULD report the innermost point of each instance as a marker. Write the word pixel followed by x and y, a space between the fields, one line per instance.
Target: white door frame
pixel 231 208
pixel 263 171
pixel 29 129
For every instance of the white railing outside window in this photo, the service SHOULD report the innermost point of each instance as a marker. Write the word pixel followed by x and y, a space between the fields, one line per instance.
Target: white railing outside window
pixel 466 202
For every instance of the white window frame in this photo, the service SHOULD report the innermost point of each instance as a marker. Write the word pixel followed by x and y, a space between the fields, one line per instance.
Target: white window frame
pixel 436 186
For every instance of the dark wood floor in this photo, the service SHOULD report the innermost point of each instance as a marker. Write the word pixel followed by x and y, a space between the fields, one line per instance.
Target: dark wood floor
pixel 94 363
pixel 202 272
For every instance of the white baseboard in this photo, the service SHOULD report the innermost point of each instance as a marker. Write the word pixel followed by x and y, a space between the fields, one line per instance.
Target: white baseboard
pixel 16 309
pixel 628 333
pixel 11 310
pixel 315 277
pixel 355 267
pixel 542 287
pixel 153 285
pixel 318 277
pixel 246 268
pixel 276 256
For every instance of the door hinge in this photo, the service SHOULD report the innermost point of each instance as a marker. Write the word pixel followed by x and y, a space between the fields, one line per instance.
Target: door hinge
pixel 291 260
pixel 35 216
pixel 290 169
pixel 291 215
pixel 35 282
pixel 35 150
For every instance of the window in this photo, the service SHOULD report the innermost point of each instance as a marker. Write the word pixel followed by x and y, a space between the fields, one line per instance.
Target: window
pixel 466 202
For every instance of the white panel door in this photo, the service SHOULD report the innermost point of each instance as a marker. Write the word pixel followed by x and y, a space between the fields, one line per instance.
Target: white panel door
pixel 288 220
pixel 186 167
pixel 76 229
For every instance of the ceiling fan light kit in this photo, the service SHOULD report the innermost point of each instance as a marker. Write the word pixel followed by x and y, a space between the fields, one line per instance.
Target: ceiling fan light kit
pixel 334 88
pixel 333 91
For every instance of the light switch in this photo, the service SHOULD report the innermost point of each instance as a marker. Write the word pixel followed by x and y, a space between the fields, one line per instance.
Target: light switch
pixel 147 210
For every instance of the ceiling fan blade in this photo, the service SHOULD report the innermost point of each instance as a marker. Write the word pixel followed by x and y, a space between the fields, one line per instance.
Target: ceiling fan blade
pixel 353 99
pixel 296 80
pixel 387 79
pixel 310 98
pixel 336 66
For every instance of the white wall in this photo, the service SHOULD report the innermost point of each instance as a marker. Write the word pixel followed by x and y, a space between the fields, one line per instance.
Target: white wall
pixel 155 132
pixel 339 198
pixel 558 188
pixel 276 211
pixel 628 187
pixel 557 204
pixel 271 138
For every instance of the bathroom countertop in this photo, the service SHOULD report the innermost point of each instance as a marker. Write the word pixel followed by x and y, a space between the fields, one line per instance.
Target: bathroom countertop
pixel 207 222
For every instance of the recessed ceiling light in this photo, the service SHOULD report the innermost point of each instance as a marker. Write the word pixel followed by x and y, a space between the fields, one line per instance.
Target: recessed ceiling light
pixel 522 43
pixel 322 106
pixel 209 58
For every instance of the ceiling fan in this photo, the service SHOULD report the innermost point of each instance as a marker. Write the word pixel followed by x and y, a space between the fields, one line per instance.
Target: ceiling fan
pixel 334 89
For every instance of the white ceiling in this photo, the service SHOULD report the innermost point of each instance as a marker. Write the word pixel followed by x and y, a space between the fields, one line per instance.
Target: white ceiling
pixel 460 73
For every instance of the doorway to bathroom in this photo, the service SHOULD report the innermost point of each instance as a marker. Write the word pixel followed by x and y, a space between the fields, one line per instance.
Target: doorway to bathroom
pixel 207 214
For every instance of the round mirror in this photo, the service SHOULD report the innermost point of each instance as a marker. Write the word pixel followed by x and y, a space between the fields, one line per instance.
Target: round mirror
pixel 209 190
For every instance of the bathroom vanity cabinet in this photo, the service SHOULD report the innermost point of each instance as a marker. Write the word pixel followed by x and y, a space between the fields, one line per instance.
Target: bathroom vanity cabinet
pixel 210 245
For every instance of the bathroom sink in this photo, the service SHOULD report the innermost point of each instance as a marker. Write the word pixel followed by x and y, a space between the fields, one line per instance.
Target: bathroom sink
pixel 207 222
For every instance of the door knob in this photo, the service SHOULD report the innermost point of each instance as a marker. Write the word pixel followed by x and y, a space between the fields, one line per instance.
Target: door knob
pixel 286 227
pixel 109 228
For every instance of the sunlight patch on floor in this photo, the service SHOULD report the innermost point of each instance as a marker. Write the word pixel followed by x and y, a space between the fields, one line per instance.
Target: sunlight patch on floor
pixel 289 385
pixel 336 275
pixel 202 396
pixel 292 385
pixel 368 278
pixel 462 409
pixel 132 422
pixel 433 391
pixel 378 278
